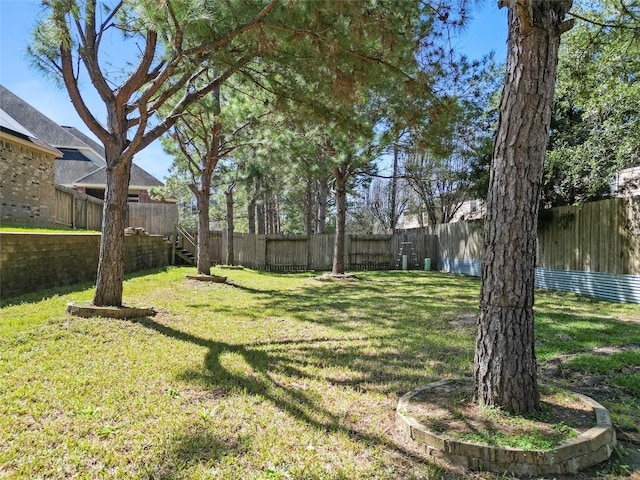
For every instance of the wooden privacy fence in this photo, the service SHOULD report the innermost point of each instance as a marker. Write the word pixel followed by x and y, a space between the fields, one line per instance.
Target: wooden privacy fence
pixel 155 218
pixel 79 210
pixel 284 253
pixel 601 237
pixel 591 249
pixel 595 237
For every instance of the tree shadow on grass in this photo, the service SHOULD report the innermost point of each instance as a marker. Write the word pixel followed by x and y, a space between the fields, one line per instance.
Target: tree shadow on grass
pixel 266 378
pixel 198 444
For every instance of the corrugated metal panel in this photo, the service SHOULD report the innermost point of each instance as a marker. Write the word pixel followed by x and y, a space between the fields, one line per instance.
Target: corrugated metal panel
pixel 608 286
pixel 460 265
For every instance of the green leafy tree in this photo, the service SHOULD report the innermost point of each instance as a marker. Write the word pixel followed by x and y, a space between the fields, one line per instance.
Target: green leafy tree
pixel 182 40
pixel 595 128
pixel 209 132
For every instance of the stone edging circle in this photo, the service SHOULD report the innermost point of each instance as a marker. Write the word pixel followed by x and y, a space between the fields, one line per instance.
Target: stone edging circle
pixel 208 278
pixel 89 311
pixel 587 449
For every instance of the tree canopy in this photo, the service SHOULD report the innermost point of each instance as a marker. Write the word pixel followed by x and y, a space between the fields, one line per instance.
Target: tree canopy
pixel 306 51
pixel 595 129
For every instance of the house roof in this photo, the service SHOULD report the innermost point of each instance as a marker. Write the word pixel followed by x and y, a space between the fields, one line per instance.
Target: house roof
pixel 83 161
pixel 73 165
pixel 41 126
pixel 10 125
pixel 139 178
pixel 86 139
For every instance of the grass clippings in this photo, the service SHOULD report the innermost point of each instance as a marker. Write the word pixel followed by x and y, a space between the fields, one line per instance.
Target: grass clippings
pixel 274 376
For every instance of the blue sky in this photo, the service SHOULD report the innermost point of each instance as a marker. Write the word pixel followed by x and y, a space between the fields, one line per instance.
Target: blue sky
pixel 486 32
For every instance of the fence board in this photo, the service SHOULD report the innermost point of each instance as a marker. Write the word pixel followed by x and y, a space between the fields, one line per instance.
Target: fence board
pixel 155 218
pixel 78 210
pixel 299 252
pixel 64 208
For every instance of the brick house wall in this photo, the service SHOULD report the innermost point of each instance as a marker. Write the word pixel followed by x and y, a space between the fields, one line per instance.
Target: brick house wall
pixel 27 190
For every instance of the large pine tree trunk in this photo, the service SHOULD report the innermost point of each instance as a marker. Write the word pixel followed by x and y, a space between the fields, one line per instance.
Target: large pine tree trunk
pixel 111 260
pixel 251 215
pixel 203 256
pixel 341 220
pixel 505 363
pixel 230 226
pixel 260 210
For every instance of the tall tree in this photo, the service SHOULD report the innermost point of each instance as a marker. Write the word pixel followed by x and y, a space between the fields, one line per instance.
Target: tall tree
pixel 68 44
pixel 505 362
pixel 180 40
pixel 440 182
pixel 206 134
pixel 351 151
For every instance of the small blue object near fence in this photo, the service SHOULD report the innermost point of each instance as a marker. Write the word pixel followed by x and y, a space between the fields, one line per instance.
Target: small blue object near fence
pixel 607 286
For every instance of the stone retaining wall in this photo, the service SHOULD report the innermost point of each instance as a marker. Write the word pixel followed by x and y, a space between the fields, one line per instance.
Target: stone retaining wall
pixel 33 261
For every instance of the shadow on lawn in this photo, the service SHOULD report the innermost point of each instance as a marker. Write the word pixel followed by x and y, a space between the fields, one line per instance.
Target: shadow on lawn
pixel 380 343
pixel 266 381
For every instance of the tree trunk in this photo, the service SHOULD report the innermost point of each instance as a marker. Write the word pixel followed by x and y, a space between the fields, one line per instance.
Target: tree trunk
pixel 251 215
pixel 505 363
pixel 270 217
pixel 321 205
pixel 341 217
pixel 308 211
pixel 260 210
pixel 394 189
pixel 228 193
pixel 260 217
pixel 111 258
pixel 203 260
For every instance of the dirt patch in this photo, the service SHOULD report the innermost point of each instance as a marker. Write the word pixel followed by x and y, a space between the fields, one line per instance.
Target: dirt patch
pixel 449 411
pixel 465 319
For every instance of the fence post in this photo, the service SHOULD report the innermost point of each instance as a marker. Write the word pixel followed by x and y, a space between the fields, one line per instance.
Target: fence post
pixel 73 210
pixel 347 251
pixel 174 240
pixel 86 213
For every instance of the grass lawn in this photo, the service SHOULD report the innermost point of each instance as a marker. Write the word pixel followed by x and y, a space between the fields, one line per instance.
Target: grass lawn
pixel 270 377
pixel 11 228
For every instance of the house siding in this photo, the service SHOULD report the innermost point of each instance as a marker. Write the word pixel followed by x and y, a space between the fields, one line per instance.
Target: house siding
pixel 27 191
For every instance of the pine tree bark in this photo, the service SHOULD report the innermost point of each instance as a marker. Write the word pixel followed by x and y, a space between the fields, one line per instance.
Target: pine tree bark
pixel 505 362
pixel 260 210
pixel 110 277
pixel 251 215
pixel 309 208
pixel 322 195
pixel 203 258
pixel 341 176
pixel 230 226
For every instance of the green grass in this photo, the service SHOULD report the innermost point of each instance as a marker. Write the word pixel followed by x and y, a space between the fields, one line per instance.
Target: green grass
pixel 271 376
pixel 533 440
pixel 13 228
